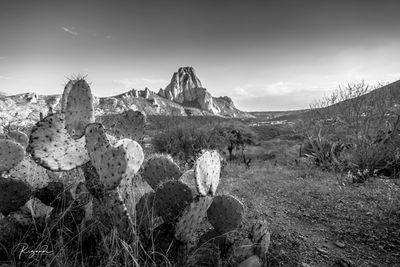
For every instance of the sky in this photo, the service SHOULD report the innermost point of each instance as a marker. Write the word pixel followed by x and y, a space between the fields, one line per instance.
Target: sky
pixel 265 55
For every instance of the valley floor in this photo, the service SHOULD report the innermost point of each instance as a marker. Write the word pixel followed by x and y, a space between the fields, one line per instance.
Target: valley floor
pixel 318 218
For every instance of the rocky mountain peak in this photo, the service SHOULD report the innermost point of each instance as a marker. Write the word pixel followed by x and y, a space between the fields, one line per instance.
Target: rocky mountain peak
pixel 183 86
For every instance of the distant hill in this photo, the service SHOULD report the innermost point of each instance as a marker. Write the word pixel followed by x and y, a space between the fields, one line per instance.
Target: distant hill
pixel 277 115
pixel 390 93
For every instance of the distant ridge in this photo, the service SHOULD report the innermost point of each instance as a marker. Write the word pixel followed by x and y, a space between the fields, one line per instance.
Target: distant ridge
pixel 183 96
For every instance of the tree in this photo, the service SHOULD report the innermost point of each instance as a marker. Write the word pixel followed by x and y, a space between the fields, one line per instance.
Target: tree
pixel 232 136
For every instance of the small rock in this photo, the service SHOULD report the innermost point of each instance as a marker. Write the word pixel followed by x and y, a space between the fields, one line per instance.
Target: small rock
pixel 343 263
pixel 322 250
pixel 305 265
pixel 340 244
pixel 253 261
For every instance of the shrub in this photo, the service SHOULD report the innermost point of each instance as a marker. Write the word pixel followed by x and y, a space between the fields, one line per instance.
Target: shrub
pixel 182 142
pixel 376 159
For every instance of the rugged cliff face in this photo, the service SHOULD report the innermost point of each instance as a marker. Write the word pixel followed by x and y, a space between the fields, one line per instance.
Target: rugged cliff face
pixel 185 88
pixel 182 87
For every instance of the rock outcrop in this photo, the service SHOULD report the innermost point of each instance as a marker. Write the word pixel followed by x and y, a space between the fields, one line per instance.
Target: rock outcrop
pixel 185 88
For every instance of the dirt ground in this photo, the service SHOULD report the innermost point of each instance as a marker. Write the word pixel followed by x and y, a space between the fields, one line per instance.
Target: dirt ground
pixel 318 218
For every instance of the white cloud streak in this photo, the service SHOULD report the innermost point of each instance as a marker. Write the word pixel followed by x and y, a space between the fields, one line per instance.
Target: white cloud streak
pixel 127 82
pixel 5 77
pixel 70 31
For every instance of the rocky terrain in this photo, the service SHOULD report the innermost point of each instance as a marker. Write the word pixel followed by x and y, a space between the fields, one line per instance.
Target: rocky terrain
pixel 184 96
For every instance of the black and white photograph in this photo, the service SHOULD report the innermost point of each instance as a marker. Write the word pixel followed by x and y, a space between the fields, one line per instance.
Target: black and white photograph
pixel 200 133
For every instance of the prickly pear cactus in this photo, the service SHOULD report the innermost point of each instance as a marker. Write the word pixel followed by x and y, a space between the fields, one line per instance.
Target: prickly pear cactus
pixel 112 163
pixel 252 261
pixel 130 124
pixel 111 212
pixel 36 208
pixel 64 97
pixel 97 141
pixel 33 174
pixel 133 155
pixel 189 179
pixel 11 154
pixel 53 148
pixel 192 218
pixel 207 172
pixel 14 194
pixel 79 111
pixel 171 199
pixel 225 213
pixel 55 195
pixel 158 169
pixel 261 238
pixel 145 215
pixel 19 137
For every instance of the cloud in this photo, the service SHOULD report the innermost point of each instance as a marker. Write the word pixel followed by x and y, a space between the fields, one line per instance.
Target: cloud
pixel 108 36
pixel 127 82
pixel 1 58
pixel 70 31
pixel 280 88
pixel 5 77
pixel 393 75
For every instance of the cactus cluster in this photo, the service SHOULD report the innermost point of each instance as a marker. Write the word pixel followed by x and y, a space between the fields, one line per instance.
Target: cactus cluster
pixel 167 220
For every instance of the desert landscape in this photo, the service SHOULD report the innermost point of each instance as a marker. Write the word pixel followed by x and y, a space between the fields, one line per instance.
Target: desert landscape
pixel 190 174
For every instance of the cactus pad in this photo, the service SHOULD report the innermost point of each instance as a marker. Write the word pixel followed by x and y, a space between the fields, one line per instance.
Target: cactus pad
pixel 110 211
pixel 225 213
pixel 28 171
pixel 14 194
pixel 261 237
pixel 36 208
pixel 11 154
pixel 258 230
pixel 171 199
pixel 188 178
pixel 164 244
pixel 96 142
pixel 192 218
pixel 133 155
pixel 145 214
pixel 19 137
pixel 54 195
pixel 112 163
pixel 252 261
pixel 80 193
pixel 158 169
pixel 262 246
pixel 207 171
pixel 79 111
pixel 51 146
pixel 130 124
pixel 213 237
pixel 64 97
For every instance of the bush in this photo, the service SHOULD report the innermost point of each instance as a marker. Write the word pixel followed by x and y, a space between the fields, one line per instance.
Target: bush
pixel 376 159
pixel 189 137
pixel 182 142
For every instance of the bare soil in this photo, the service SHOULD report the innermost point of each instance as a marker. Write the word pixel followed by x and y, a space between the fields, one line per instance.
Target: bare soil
pixel 318 218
